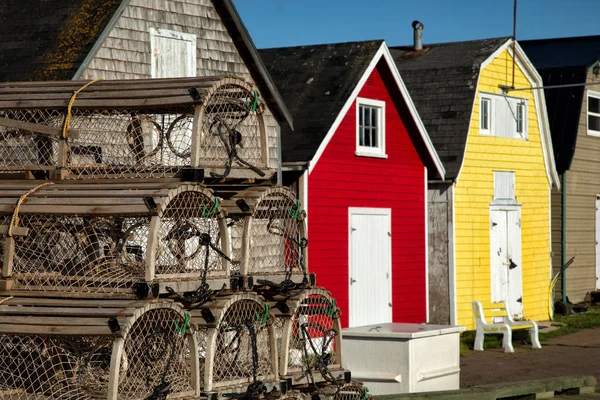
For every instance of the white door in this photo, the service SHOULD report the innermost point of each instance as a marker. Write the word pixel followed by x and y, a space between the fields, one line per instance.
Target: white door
pixel 597 240
pixel 505 259
pixel 370 266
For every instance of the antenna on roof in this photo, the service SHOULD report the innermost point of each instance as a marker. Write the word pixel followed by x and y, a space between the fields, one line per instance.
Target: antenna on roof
pixel 514 37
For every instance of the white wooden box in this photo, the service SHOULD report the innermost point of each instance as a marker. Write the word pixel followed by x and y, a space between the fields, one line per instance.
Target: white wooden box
pixel 403 358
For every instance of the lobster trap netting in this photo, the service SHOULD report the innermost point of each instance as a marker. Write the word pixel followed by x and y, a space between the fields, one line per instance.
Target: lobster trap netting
pixel 156 356
pixel 233 132
pixel 79 253
pixel 242 352
pixel 59 367
pixel 145 128
pixel 78 367
pixel 294 395
pixel 277 235
pixel 235 227
pixel 189 237
pixel 314 334
pixel 99 143
pixel 351 391
pixel 129 143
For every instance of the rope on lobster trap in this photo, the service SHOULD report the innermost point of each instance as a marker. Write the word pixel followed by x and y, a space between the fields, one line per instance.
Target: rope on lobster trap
pixel 322 359
pixel 231 138
pixel 14 222
pixel 163 389
pixel 203 294
pixel 67 122
pixel 257 389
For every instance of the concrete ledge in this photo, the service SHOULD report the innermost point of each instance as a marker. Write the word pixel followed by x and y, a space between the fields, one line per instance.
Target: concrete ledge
pixel 546 388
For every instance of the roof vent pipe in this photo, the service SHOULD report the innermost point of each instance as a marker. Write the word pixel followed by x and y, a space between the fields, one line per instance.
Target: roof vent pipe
pixel 418 31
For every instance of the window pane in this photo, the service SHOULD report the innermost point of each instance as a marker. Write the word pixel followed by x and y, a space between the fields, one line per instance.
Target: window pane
pixel 519 118
pixel 361 136
pixel 367 116
pixel 593 104
pixel 367 137
pixel 374 117
pixel 374 139
pixel 484 113
pixel 361 110
pixel 593 123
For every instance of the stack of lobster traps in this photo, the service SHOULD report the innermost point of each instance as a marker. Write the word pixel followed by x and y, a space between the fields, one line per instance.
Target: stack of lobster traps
pixel 146 253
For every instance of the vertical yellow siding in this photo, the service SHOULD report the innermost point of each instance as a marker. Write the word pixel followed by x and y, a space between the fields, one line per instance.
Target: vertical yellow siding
pixel 474 193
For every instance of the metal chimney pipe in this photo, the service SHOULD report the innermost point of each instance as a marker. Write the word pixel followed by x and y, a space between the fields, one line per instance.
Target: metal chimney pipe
pixel 418 35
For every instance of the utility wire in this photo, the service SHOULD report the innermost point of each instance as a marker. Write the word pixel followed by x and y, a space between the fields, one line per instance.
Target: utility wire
pixel 508 89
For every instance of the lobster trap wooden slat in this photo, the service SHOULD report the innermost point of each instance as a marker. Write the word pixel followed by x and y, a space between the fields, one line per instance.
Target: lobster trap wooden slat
pixel 112 239
pixel 128 129
pixel 48 357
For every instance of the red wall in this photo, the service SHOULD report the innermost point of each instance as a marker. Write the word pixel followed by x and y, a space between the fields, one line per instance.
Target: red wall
pixel 341 180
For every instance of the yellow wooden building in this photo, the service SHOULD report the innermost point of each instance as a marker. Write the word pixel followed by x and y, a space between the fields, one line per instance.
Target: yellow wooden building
pixel 490 221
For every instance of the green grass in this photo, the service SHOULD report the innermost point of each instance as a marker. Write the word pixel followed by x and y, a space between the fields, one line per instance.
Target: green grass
pixel 567 324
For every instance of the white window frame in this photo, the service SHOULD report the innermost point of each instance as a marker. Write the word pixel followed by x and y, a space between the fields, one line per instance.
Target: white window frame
pixel 365 151
pixel 524 133
pixel 493 117
pixel 488 130
pixel 190 40
pixel 596 95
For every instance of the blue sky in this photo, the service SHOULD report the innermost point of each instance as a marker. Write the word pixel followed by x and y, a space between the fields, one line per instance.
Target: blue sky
pixel 278 23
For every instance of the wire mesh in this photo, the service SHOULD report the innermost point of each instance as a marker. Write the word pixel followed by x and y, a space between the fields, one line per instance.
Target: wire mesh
pixel 156 356
pixel 129 143
pixel 189 237
pixel 352 391
pixel 314 336
pixel 231 130
pixel 65 367
pixel 294 395
pixel 78 367
pixel 79 253
pixel 109 143
pixel 236 231
pixel 243 350
pixel 277 241
pixel 21 148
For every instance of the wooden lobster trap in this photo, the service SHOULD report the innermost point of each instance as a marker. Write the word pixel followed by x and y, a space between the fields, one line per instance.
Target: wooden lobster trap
pixel 308 330
pixel 111 238
pixel 95 349
pixel 267 234
pixel 237 351
pixel 132 128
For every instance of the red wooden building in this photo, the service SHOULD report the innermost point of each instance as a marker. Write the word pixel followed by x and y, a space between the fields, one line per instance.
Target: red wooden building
pixel 360 158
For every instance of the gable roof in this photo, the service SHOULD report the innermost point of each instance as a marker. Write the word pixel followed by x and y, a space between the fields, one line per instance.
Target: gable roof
pixel 315 81
pixel 321 82
pixel 53 40
pixel 563 61
pixel 442 81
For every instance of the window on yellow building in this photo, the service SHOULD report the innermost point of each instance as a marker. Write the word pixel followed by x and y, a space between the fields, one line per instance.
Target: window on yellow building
pixel 503 116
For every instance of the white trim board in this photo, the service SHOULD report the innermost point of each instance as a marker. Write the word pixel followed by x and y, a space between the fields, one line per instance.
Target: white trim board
pixel 426 247
pixel 385 53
